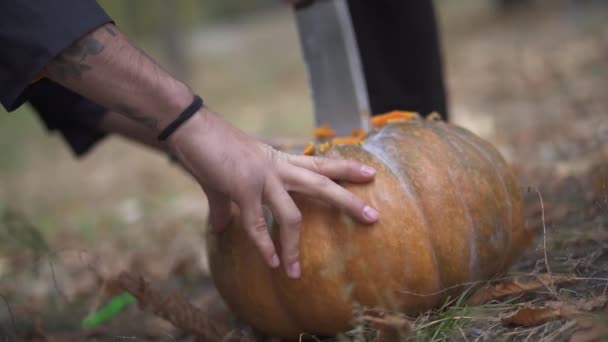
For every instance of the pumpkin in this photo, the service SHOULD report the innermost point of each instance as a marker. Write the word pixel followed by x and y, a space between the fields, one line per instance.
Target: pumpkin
pixel 450 214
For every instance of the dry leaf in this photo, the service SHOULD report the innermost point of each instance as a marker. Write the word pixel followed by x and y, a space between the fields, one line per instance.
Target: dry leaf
pixel 391 327
pixel 532 316
pixel 516 286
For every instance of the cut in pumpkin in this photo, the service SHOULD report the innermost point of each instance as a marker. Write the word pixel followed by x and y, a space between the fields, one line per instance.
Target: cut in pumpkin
pixel 324 147
pixel 324 132
pixel 346 141
pixel 391 117
pixel 309 150
pixel 358 133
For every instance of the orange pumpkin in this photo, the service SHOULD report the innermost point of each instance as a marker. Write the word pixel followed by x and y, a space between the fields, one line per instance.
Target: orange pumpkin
pixel 450 214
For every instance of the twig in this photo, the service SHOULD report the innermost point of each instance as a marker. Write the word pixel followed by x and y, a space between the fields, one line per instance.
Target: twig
pixel 55 284
pixel 10 312
pixel 542 208
pixel 173 308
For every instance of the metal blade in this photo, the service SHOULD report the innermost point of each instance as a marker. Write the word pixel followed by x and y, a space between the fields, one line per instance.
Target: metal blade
pixel 333 64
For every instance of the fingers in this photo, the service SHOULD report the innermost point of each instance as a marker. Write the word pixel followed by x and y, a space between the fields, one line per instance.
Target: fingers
pixel 287 214
pixel 219 211
pixel 335 168
pixel 255 225
pixel 321 187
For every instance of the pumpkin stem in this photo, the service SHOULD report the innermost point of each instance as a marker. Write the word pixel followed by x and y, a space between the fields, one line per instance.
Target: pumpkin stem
pixel 434 116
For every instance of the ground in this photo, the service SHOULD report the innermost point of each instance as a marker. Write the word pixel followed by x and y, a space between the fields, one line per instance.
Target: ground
pixel 532 82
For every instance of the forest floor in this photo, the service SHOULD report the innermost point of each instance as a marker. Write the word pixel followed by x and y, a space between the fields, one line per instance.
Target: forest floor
pixel 533 82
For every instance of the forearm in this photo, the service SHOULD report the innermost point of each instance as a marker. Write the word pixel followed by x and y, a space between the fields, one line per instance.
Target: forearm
pixel 116 123
pixel 106 68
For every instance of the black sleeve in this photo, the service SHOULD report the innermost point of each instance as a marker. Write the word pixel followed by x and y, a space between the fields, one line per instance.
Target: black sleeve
pixel 32 32
pixel 62 110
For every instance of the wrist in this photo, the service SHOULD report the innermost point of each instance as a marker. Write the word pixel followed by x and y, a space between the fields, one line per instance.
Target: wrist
pixel 175 99
pixel 193 127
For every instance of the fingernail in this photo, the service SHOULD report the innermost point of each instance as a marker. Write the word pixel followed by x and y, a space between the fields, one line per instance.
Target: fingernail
pixel 274 262
pixel 294 270
pixel 367 170
pixel 370 213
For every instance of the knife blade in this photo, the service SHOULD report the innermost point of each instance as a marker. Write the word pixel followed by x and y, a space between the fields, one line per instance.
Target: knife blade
pixel 331 55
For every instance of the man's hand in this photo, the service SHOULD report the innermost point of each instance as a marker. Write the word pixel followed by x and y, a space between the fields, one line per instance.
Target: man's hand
pixel 233 167
pixel 230 166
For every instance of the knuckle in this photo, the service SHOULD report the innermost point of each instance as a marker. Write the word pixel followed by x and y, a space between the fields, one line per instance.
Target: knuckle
pixel 319 163
pixel 267 248
pixel 348 200
pixel 352 199
pixel 356 203
pixel 351 165
pixel 323 182
pixel 258 227
pixel 290 258
pixel 262 240
pixel 294 221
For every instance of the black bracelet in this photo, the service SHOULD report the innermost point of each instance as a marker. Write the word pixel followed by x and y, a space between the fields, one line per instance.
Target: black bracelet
pixel 196 104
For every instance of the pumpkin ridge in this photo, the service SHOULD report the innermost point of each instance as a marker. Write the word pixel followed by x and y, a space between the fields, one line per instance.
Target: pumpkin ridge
pixel 473 262
pixel 472 246
pixel 375 287
pixel 492 162
pixel 278 292
pixel 406 184
pixel 522 233
pixel 503 184
pixel 472 227
pixel 458 152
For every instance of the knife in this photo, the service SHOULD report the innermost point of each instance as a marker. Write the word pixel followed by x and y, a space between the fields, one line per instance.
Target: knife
pixel 331 55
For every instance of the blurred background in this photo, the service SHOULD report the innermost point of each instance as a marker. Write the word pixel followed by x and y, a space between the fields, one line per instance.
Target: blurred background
pixel 529 76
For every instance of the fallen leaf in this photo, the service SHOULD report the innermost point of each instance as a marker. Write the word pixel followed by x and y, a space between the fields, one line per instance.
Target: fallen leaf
pixel 532 316
pixel 516 286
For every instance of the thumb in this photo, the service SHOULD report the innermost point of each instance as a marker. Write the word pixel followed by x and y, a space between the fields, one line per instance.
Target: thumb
pixel 220 214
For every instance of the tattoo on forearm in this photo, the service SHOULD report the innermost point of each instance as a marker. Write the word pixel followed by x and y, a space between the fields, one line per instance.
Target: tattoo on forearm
pixel 71 63
pixel 132 114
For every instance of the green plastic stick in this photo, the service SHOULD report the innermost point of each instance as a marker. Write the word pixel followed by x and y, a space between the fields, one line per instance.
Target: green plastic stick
pixel 116 305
